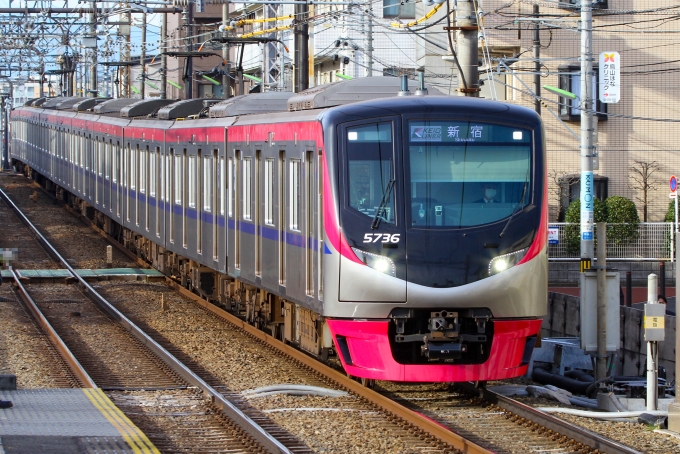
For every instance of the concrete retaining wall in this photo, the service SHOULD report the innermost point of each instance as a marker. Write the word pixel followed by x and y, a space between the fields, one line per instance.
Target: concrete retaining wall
pixel 563 320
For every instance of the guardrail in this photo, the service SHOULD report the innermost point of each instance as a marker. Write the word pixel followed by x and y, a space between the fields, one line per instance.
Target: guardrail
pixel 649 241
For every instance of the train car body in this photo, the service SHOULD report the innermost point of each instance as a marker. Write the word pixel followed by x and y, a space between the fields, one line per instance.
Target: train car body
pixel 359 227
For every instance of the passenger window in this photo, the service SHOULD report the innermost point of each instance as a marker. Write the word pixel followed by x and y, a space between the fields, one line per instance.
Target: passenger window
pixel 191 181
pixel 295 194
pixel 247 188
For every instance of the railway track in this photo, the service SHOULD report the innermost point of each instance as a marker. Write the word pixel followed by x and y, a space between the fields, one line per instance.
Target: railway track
pixel 100 344
pixel 520 429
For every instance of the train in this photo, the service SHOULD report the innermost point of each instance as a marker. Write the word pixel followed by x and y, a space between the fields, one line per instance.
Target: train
pixel 403 231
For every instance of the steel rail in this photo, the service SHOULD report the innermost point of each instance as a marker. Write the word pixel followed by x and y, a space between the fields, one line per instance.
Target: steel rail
pixel 76 368
pixel 580 434
pixel 422 422
pixel 233 412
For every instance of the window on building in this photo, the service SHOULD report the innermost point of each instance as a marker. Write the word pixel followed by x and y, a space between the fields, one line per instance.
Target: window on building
pixel 403 9
pixel 570 80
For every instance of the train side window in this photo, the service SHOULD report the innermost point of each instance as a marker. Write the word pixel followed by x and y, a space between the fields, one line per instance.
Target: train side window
pixel 207 183
pixel 221 186
pixel 191 185
pixel 114 162
pixel 230 185
pixel 247 188
pixel 178 179
pixel 269 191
pixel 133 166
pixel 144 155
pixel 152 173
pixel 295 194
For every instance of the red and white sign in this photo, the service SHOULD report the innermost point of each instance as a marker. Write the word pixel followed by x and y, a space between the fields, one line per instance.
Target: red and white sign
pixel 610 77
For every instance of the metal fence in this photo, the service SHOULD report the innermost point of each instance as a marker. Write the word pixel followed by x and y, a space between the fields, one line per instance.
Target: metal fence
pixel 649 241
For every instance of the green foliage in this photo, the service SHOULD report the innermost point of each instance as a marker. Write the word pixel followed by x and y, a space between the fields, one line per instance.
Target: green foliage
pixel 572 231
pixel 670 212
pixel 623 214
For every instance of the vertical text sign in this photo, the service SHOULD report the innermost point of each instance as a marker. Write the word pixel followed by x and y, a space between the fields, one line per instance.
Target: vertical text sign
pixel 609 77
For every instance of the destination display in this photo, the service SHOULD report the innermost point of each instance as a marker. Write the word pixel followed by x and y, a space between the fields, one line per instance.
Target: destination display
pixel 457 131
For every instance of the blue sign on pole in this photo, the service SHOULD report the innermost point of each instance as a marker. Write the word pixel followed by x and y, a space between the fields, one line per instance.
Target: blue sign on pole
pixel 674 183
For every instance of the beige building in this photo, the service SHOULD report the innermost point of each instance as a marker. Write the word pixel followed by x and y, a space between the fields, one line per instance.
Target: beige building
pixel 639 131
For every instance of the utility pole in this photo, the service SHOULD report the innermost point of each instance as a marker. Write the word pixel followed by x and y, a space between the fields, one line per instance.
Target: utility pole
pixel 189 84
pixel 127 18
pixel 164 58
pixel 587 136
pixel 468 54
pixel 93 68
pixel 369 40
pixel 226 83
pixel 142 57
pixel 301 37
pixel 537 62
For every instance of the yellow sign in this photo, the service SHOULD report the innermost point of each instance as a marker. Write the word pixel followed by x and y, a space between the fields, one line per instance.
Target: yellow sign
pixel 655 322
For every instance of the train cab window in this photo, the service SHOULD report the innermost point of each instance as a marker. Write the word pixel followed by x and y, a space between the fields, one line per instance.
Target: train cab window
pixel 370 153
pixel 466 173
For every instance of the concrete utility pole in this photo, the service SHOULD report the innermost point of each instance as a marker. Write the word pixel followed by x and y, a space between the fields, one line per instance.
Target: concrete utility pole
pixel 164 58
pixel 127 18
pixel 537 61
pixel 468 54
pixel 674 408
pixel 189 84
pixel 369 40
pixel 301 37
pixel 142 57
pixel 93 68
pixel 226 83
pixel 587 136
pixel 601 357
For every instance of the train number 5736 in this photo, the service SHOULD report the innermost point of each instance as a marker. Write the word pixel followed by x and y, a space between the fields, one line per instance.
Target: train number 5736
pixel 381 237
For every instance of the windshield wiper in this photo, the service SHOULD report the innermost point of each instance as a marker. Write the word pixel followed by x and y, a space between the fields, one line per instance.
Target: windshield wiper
pixel 381 209
pixel 520 204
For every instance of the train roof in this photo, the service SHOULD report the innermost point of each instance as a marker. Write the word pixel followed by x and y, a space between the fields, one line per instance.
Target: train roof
pixel 255 103
pixel 351 91
pixel 477 109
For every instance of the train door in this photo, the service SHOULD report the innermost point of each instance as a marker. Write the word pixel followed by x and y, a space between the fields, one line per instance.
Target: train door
pixel 371 213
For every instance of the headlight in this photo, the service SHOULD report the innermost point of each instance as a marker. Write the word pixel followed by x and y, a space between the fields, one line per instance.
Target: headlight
pixel 377 262
pixel 503 262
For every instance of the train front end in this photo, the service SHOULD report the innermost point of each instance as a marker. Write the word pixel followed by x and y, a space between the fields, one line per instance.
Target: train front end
pixel 435 213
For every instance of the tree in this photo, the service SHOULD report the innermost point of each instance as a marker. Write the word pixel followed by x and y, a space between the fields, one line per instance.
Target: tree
pixel 641 175
pixel 623 217
pixel 572 231
pixel 560 186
